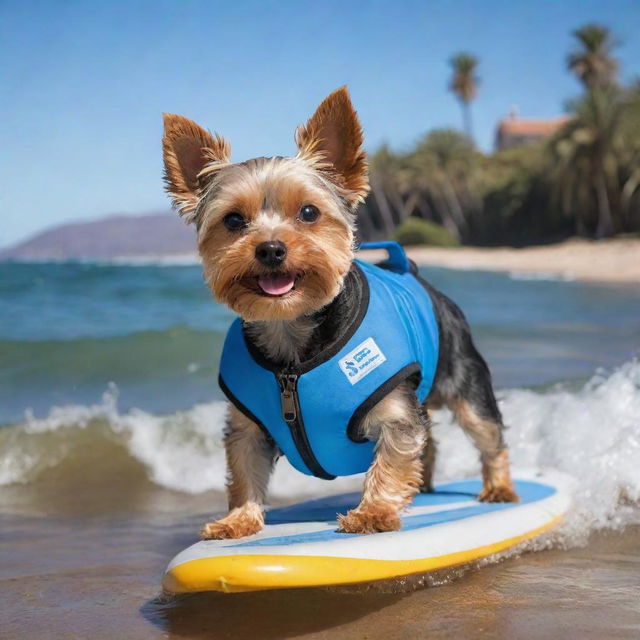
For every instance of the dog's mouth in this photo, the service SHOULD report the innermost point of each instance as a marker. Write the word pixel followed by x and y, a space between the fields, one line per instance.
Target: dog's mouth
pixel 276 285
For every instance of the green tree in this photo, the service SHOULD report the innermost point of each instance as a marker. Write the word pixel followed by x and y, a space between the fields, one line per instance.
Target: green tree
pixel 385 188
pixel 464 84
pixel 629 160
pixel 515 192
pixel 442 167
pixel 593 152
pixel 587 147
pixel 591 61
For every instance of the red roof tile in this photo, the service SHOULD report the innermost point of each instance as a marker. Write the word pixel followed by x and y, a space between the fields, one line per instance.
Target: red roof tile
pixel 522 127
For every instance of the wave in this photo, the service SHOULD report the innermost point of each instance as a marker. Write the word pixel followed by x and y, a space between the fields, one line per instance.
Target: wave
pixel 563 276
pixel 591 433
pixel 168 260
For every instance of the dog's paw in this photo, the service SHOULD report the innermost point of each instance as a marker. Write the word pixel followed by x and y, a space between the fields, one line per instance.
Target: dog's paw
pixel 369 520
pixel 500 493
pixel 238 524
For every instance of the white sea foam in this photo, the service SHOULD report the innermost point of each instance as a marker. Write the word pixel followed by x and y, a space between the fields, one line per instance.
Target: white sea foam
pixel 564 276
pixel 592 433
pixel 170 260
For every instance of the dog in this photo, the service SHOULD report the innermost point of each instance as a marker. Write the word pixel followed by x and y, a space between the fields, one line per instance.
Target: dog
pixel 276 239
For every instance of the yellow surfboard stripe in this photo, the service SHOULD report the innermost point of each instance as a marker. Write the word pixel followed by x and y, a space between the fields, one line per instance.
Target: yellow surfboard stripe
pixel 231 574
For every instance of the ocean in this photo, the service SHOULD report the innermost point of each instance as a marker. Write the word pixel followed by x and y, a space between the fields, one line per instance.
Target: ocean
pixel 111 454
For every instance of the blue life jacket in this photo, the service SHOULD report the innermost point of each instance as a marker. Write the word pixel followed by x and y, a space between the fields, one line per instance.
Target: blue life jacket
pixel 313 411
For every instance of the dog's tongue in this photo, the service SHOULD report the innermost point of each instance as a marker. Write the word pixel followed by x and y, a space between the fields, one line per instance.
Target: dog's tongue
pixel 276 285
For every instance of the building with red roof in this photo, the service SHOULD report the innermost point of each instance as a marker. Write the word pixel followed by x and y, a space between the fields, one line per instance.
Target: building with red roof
pixel 515 132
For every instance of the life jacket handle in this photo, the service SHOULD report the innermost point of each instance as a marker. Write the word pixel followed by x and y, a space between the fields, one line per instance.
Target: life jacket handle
pixel 397 260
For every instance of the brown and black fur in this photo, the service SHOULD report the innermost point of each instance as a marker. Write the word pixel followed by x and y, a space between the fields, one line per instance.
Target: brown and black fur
pixel 329 172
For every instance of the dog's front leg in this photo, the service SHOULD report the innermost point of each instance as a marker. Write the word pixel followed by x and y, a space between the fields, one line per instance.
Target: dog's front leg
pixel 400 428
pixel 250 458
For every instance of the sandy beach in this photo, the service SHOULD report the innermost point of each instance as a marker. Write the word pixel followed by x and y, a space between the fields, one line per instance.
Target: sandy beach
pixel 614 261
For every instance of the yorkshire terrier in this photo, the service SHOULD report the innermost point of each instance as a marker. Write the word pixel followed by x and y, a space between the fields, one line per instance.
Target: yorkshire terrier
pixel 276 238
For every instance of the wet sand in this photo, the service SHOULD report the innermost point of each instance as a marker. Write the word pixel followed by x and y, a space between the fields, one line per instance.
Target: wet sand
pixel 93 571
pixel 614 261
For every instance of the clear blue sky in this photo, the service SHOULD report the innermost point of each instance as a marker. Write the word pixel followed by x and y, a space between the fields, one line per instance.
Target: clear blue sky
pixel 83 84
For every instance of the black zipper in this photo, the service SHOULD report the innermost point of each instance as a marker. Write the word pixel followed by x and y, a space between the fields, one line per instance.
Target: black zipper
pixel 292 415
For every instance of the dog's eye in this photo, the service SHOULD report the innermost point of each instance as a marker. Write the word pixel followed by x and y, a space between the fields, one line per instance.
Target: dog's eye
pixel 309 213
pixel 234 221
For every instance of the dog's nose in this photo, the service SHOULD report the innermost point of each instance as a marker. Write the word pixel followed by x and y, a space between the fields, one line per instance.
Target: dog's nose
pixel 271 253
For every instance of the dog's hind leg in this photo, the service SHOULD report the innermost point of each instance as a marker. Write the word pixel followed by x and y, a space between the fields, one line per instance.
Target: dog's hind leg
pixel 250 458
pixel 486 433
pixel 428 460
pixel 463 383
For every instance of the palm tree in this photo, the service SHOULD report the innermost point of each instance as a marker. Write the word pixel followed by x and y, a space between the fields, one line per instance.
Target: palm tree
pixel 464 83
pixel 588 152
pixel 630 158
pixel 442 167
pixel 394 190
pixel 383 178
pixel 592 61
pixel 589 144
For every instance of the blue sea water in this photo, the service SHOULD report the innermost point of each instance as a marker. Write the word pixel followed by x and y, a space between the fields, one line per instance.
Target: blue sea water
pixel 108 381
pixel 70 330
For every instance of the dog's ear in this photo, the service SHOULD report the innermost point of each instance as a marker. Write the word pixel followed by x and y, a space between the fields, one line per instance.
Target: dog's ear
pixel 187 148
pixel 332 139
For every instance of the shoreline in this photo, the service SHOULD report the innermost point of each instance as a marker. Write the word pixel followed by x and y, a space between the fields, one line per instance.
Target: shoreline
pixel 615 261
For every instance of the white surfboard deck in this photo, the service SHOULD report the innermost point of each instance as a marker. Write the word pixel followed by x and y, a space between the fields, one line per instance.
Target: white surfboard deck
pixel 300 546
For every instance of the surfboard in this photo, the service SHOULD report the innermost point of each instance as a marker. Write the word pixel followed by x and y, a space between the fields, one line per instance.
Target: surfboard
pixel 300 545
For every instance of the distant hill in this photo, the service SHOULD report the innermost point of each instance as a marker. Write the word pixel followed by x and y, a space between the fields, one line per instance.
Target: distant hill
pixel 116 236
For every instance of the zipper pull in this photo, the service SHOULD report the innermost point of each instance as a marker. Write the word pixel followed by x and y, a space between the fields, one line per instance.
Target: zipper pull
pixel 288 383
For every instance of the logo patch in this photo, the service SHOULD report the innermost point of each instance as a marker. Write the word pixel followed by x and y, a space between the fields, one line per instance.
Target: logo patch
pixel 362 360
